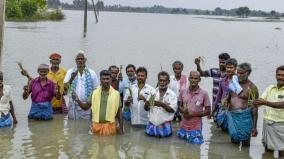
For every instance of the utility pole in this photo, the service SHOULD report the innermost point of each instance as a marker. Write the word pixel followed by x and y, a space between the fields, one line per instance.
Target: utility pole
pixel 85 18
pixel 2 20
pixel 85 15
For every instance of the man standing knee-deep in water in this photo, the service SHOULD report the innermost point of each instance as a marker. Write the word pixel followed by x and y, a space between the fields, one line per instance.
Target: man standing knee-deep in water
pixel 42 91
pixel 57 74
pixel 194 103
pixel 220 104
pixel 105 105
pixel 242 115
pixel 6 104
pixel 216 73
pixel 177 83
pixel 273 121
pixel 161 109
pixel 81 80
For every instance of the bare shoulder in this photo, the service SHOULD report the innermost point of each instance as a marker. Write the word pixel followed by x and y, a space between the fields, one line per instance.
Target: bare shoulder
pixel 252 85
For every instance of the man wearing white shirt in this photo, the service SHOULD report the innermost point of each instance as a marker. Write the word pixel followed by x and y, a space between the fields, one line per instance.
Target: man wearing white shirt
pixel 178 82
pixel 161 110
pixel 135 98
pixel 126 83
pixel 82 81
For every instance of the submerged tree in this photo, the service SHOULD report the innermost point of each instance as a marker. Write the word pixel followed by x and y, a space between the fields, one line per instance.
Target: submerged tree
pixel 243 12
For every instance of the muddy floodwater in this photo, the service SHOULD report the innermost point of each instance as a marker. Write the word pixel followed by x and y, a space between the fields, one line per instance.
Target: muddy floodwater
pixel 150 40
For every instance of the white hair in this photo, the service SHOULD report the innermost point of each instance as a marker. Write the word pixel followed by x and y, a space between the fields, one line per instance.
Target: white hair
pixel 81 52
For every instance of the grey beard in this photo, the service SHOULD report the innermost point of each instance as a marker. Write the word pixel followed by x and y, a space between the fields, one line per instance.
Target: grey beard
pixel 164 87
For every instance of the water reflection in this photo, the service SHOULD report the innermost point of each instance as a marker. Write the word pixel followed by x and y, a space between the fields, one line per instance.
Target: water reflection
pixel 104 147
pixel 46 138
pixel 6 138
pixel 78 140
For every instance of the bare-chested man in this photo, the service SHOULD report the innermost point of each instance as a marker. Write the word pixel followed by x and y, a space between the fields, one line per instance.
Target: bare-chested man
pixel 242 115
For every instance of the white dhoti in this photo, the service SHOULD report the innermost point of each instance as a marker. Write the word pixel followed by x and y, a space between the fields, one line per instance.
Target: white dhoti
pixel 273 135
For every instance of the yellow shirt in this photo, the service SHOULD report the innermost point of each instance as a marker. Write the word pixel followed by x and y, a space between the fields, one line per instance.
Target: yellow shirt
pixel 273 94
pixel 112 105
pixel 57 77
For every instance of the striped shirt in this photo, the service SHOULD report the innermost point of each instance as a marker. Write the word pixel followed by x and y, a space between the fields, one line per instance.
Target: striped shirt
pixel 217 75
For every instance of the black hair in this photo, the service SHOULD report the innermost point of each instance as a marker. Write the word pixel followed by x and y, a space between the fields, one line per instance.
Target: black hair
pixel 177 63
pixel 105 73
pixel 224 56
pixel 163 73
pixel 142 69
pixel 245 66
pixel 129 66
pixel 232 61
pixel 280 68
pixel 112 66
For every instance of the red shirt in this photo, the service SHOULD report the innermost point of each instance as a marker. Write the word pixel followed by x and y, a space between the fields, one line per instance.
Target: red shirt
pixel 196 102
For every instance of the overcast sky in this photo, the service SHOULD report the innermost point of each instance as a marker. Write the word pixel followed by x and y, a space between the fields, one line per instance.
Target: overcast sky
pixel 266 5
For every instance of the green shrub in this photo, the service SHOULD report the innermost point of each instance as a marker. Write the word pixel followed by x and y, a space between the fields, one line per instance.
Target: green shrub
pixel 56 15
pixel 29 7
pixel 13 10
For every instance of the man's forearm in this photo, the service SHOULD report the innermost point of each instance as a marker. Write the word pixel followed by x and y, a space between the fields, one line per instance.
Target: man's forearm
pixel 25 95
pixel 202 114
pixel 12 110
pixel 255 116
pixel 84 106
pixel 279 105
pixel 202 73
pixel 168 108
pixel 120 119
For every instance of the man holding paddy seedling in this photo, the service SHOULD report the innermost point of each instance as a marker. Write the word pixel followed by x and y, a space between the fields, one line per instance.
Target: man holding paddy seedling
pixel 161 107
pixel 125 84
pixel 242 115
pixel 194 104
pixel 80 80
pixel 135 98
pixel 220 104
pixel 177 83
pixel 42 91
pixel 57 74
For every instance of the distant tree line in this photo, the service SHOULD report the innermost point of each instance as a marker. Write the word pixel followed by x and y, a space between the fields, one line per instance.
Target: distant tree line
pixel 241 12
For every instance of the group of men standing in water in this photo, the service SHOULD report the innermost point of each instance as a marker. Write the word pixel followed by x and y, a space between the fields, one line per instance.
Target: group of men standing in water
pixel 110 98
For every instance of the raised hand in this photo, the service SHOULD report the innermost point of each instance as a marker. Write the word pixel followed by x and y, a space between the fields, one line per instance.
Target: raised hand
pixel 197 61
